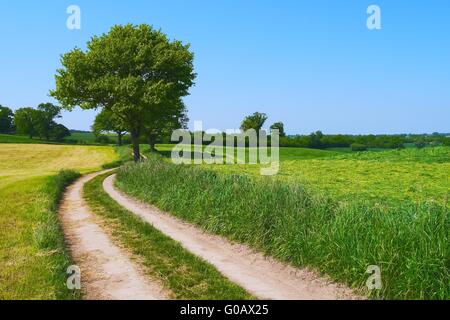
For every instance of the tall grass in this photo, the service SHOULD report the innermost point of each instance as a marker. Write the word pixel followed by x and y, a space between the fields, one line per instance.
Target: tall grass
pixel 410 243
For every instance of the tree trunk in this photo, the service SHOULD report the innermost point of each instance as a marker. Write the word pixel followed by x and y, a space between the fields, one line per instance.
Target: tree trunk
pixel 135 142
pixel 152 142
pixel 119 138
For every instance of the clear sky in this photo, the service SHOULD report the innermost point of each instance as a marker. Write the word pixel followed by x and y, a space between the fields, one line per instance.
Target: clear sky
pixel 311 64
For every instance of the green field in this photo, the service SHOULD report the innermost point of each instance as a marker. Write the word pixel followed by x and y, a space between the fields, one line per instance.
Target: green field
pixel 385 177
pixel 33 259
pixel 334 212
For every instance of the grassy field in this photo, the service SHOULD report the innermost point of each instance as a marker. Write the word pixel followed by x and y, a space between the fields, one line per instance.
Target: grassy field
pixel 32 256
pixel 338 212
pixel 184 274
pixel 7 138
pixel 387 177
pixel 83 138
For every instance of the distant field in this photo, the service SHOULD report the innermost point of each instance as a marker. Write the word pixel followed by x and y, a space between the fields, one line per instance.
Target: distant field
pixel 32 253
pixel 74 138
pixel 81 137
pixel 382 176
pixel 7 138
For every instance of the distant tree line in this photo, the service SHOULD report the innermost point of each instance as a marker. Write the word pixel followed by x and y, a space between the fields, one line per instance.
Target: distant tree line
pixel 39 122
pixel 318 140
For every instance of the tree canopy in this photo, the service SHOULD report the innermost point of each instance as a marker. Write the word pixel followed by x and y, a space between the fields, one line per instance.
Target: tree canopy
pixel 6 120
pixel 107 121
pixel 255 121
pixel 47 113
pixel 26 121
pixel 280 127
pixel 135 72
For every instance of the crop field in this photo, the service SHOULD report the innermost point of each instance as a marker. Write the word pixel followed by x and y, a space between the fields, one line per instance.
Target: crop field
pixel 388 176
pixel 381 176
pixel 32 255
pixel 336 212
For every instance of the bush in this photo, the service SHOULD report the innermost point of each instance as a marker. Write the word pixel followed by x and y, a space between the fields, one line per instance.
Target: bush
pixel 359 147
pixel 446 141
pixel 420 144
pixel 103 139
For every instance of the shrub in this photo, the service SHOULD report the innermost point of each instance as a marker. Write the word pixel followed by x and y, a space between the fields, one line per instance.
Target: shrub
pixel 103 139
pixel 420 144
pixel 359 147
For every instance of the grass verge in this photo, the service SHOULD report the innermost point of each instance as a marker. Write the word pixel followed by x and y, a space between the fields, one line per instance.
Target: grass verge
pixel 410 243
pixel 33 260
pixel 185 275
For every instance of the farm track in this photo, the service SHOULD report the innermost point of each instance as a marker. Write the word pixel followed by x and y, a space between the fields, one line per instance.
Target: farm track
pixel 261 276
pixel 107 271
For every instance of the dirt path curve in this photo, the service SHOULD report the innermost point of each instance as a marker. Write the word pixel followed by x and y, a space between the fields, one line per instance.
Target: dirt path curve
pixel 107 272
pixel 261 276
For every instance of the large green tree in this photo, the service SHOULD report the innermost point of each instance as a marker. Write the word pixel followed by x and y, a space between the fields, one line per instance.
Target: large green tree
pixel 27 121
pixel 6 120
pixel 255 121
pixel 106 121
pixel 133 71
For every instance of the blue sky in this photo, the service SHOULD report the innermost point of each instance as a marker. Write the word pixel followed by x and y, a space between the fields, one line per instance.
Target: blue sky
pixel 311 64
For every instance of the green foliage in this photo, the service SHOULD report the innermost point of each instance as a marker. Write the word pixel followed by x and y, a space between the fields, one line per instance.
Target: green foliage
pixel 358 147
pixel 280 127
pixel 409 242
pixel 446 142
pixel 103 139
pixel 420 144
pixel 106 121
pixel 26 121
pixel 58 132
pixel 46 125
pixel 136 72
pixel 255 122
pixel 40 122
pixel 6 120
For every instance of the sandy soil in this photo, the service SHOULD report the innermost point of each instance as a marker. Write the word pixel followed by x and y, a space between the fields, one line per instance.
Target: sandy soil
pixel 263 277
pixel 107 271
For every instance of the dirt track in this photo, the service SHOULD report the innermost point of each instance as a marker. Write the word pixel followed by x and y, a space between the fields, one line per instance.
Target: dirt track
pixel 107 271
pixel 259 275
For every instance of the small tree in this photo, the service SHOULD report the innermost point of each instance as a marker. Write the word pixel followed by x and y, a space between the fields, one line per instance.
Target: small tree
pixel 446 141
pixel 132 71
pixel 357 147
pixel 6 120
pixel 27 121
pixel 280 127
pixel 255 121
pixel 420 144
pixel 46 115
pixel 59 132
pixel 106 121
pixel 315 139
pixel 174 117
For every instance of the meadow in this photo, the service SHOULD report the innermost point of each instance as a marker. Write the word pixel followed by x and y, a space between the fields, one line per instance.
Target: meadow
pixel 385 177
pixel 33 259
pixel 334 212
